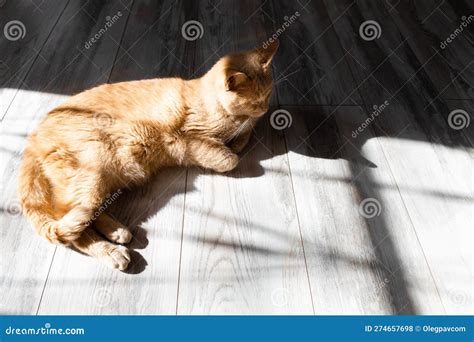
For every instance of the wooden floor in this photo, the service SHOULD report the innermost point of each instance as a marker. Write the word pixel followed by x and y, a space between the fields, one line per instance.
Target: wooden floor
pixel 286 232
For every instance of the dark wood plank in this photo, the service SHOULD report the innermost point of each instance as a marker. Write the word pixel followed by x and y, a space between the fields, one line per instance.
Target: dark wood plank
pixel 311 67
pixel 23 42
pixel 450 65
pixel 30 23
pixel 387 69
pixel 153 44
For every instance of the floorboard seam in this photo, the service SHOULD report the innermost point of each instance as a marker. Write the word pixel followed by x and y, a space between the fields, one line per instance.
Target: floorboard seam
pixel 46 281
pixel 299 225
pixel 121 40
pixel 182 238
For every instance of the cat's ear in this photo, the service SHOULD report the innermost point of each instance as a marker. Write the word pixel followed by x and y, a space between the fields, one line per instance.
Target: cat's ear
pixel 266 53
pixel 234 79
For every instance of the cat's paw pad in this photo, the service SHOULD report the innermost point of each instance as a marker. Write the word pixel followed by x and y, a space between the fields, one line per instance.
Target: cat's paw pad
pixel 121 235
pixel 117 258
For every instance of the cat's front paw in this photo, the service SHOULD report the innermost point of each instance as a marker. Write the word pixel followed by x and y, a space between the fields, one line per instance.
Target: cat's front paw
pixel 117 258
pixel 228 164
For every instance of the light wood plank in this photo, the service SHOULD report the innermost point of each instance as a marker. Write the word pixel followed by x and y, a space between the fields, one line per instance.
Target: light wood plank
pixel 428 158
pixel 357 265
pixel 25 260
pixel 28 257
pixel 242 251
pixel 435 181
pixel 78 284
pixel 81 285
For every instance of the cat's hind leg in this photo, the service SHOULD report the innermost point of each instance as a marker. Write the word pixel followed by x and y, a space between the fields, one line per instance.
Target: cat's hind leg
pixel 112 229
pixel 91 243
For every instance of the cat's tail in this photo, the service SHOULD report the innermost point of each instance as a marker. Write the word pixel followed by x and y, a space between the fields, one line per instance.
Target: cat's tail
pixel 35 194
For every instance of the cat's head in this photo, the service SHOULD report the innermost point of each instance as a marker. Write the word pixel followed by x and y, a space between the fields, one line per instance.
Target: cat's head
pixel 245 81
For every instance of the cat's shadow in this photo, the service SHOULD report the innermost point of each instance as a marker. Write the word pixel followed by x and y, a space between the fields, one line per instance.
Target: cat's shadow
pixel 138 208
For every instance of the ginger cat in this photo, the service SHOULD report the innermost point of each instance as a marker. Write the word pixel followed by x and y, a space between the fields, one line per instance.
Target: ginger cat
pixel 119 135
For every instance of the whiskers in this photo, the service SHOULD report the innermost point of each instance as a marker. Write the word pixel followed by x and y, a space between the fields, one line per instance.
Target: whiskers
pixel 239 129
pixel 285 77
